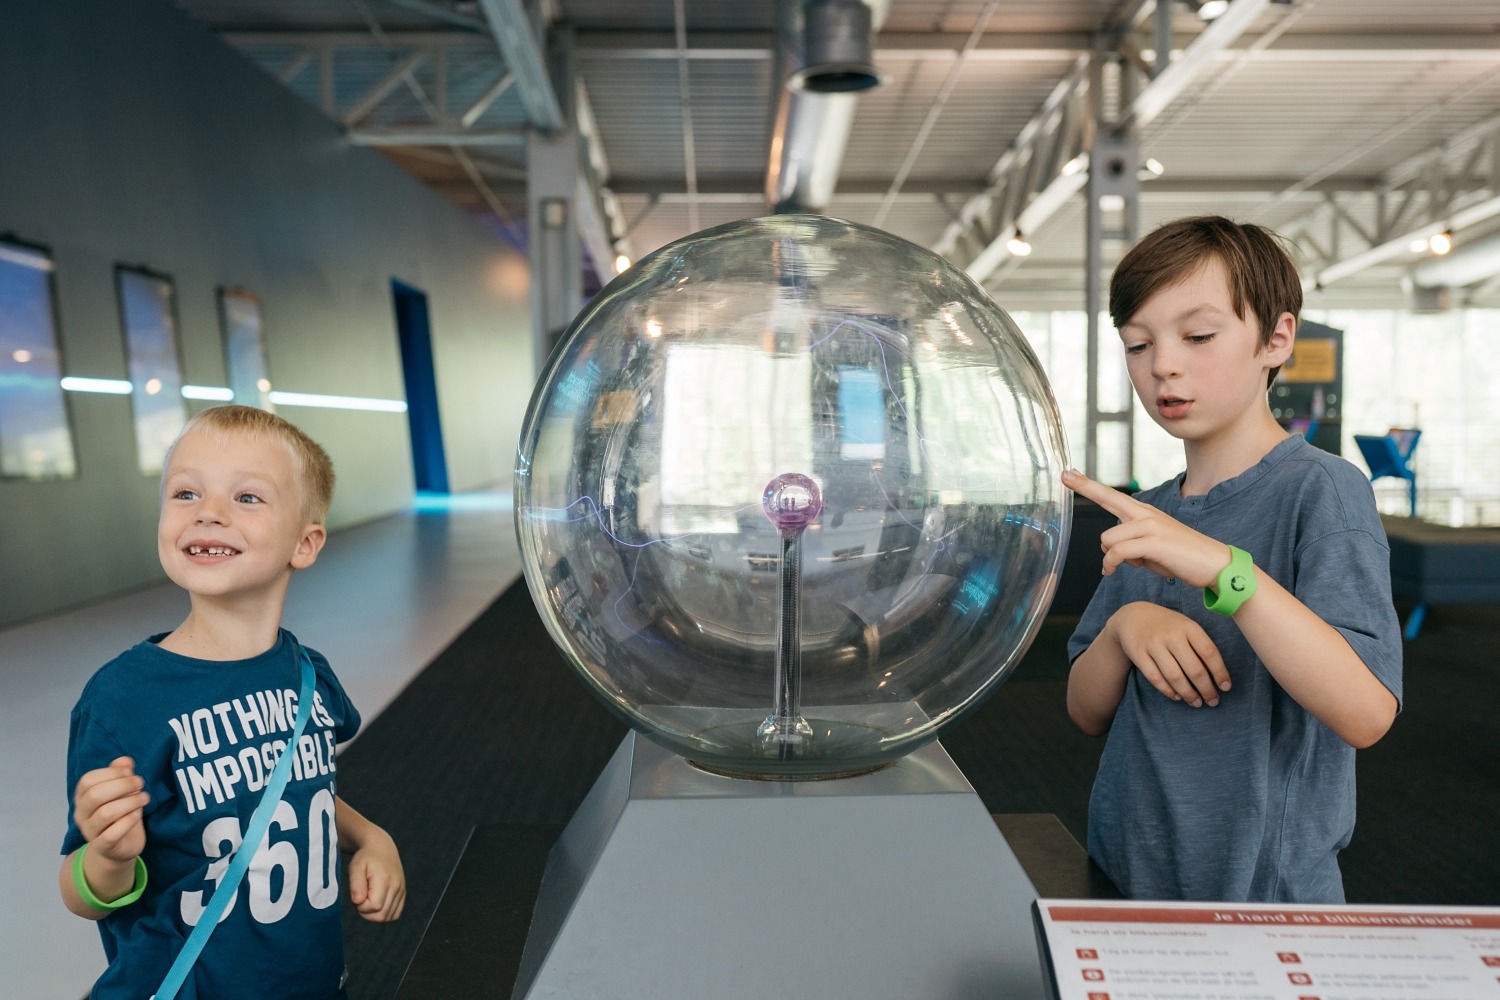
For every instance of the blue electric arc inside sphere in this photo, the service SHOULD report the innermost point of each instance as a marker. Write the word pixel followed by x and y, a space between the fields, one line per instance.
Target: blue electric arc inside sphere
pixel 838 364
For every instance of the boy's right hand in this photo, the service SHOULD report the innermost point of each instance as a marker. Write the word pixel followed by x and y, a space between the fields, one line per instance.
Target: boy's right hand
pixel 1172 652
pixel 107 806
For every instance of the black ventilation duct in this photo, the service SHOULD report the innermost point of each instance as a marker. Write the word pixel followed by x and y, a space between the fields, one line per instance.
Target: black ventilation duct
pixel 822 63
pixel 836 48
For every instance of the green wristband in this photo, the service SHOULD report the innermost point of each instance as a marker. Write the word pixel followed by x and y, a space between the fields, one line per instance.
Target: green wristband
pixel 1235 586
pixel 82 884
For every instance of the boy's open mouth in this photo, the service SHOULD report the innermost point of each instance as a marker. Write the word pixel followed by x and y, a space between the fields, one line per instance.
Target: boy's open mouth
pixel 212 550
pixel 1173 406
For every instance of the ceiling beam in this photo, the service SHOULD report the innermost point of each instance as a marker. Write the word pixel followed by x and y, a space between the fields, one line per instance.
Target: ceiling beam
pixel 525 59
pixel 436 135
pixel 596 44
pixel 283 37
pixel 602 223
pixel 1023 197
pixel 1399 244
pixel 442 13
pixel 753 185
pixel 1054 134
pixel 1170 84
pixel 915 188
pixel 1453 185
pixel 490 96
pixel 382 88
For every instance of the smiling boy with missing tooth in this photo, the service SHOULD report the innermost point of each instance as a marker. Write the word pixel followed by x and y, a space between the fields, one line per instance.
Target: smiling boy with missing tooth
pixel 1242 642
pixel 172 741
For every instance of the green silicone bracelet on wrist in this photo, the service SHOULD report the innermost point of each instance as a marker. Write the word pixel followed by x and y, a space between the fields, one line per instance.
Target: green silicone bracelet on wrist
pixel 1235 586
pixel 81 883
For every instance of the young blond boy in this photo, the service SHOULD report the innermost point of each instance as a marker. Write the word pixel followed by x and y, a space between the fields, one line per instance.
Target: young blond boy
pixel 172 741
pixel 1242 642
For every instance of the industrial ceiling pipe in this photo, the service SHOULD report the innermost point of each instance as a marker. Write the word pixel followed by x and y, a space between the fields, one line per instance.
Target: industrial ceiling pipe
pixel 821 63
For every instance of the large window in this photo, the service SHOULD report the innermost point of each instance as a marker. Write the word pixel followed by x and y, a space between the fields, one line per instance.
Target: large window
pixel 245 348
pixel 1060 340
pixel 1438 372
pixel 149 316
pixel 36 441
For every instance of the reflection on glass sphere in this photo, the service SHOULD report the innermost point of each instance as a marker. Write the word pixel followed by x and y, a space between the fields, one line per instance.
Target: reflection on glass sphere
pixel 788 496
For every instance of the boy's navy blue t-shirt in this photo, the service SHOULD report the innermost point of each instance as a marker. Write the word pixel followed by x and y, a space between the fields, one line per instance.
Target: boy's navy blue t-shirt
pixel 205 736
pixel 1252 799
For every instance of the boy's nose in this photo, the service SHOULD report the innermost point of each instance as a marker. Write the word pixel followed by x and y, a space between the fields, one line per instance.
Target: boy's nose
pixel 1166 363
pixel 211 512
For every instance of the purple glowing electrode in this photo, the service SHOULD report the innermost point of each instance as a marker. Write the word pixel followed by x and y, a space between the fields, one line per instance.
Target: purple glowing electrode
pixel 792 501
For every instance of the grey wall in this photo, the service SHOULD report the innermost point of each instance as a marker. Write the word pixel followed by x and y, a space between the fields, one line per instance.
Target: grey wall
pixel 129 134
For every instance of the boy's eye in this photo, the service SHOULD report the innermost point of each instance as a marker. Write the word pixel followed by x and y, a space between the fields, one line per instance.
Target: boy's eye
pixel 184 494
pixel 248 498
pixel 1200 338
pixel 1134 348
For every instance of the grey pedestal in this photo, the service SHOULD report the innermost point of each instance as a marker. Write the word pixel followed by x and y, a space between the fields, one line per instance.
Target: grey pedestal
pixel 671 882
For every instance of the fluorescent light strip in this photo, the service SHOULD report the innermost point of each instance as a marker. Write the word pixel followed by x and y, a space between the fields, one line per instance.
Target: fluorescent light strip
pixel 220 393
pixel 122 387
pixel 338 402
pixel 19 255
pixel 112 386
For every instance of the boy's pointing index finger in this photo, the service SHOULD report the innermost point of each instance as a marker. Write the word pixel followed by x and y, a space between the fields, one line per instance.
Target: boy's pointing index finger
pixel 1112 500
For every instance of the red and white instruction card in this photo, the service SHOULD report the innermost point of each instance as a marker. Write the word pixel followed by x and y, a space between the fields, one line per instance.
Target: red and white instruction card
pixel 1129 950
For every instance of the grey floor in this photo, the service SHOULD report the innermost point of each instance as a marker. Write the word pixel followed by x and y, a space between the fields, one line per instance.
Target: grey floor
pixel 381 602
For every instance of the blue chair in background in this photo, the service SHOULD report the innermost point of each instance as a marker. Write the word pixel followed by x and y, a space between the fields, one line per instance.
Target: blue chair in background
pixel 1390 454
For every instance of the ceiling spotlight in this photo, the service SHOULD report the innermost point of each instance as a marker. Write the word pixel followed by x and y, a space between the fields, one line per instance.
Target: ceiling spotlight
pixel 622 264
pixel 1152 167
pixel 1018 245
pixel 1441 243
pixel 1208 10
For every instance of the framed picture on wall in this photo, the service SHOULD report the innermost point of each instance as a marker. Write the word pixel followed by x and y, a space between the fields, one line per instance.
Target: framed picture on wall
pixel 36 435
pixel 148 316
pixel 245 347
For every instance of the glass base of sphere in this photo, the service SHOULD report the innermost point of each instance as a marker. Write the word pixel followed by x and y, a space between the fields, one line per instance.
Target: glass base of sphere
pixel 839 741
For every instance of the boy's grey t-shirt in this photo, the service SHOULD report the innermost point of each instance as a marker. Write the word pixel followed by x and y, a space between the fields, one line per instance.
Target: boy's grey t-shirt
pixel 1252 799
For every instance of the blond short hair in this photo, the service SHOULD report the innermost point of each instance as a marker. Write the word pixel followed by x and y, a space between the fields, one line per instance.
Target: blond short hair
pixel 314 467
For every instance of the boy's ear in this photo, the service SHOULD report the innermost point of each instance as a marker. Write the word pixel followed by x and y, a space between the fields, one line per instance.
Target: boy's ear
pixel 1279 347
pixel 309 545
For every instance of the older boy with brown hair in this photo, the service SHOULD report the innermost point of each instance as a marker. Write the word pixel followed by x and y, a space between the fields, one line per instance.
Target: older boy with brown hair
pixel 173 742
pixel 1242 643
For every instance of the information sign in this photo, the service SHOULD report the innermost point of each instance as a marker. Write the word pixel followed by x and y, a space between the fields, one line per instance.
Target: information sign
pixel 1128 950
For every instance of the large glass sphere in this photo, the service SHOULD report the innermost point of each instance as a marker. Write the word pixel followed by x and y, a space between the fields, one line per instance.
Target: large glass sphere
pixel 788 496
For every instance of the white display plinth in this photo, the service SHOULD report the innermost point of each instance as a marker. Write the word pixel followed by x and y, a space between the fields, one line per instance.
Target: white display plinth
pixel 674 883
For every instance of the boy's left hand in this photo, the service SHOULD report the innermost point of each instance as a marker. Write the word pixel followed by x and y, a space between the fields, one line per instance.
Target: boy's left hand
pixel 377 882
pixel 1145 537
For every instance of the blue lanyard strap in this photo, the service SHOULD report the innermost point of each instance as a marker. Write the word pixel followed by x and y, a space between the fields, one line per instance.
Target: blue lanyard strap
pixel 256 831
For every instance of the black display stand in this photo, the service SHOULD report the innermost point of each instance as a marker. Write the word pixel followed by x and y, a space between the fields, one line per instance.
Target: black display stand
pixel 1308 395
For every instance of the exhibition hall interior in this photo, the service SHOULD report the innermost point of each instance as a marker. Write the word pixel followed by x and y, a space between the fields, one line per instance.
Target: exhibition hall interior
pixel 699 378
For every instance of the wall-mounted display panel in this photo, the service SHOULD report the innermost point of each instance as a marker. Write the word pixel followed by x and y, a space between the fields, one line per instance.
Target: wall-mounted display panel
pixel 36 438
pixel 148 313
pixel 245 347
